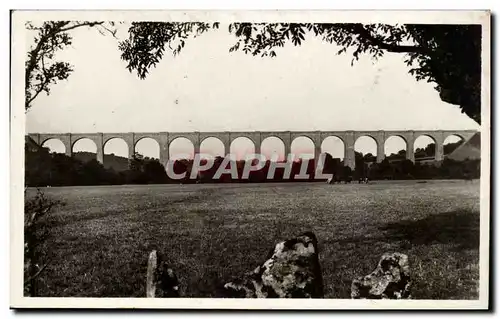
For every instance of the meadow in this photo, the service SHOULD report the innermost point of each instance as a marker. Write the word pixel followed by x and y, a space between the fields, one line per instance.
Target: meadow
pixel 100 240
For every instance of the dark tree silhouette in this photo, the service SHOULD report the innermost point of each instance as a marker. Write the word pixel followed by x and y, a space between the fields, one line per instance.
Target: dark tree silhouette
pixel 43 168
pixel 448 55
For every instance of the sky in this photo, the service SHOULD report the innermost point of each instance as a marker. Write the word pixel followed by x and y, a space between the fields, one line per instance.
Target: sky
pixel 206 88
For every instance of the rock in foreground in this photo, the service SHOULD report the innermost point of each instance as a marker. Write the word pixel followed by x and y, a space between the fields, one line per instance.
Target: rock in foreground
pixel 161 281
pixel 291 270
pixel 390 280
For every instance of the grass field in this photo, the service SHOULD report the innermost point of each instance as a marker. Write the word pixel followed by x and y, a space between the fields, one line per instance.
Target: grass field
pixel 102 237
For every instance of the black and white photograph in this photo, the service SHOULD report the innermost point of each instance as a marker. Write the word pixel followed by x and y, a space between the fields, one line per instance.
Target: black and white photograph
pixel 237 160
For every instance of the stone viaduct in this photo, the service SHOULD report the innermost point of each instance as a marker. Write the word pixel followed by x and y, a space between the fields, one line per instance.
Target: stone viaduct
pixel 348 138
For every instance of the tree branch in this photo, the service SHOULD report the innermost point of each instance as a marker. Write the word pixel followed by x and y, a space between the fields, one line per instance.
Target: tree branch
pixel 43 82
pixel 112 32
pixel 83 24
pixel 28 102
pixel 36 52
pixel 37 273
pixel 361 31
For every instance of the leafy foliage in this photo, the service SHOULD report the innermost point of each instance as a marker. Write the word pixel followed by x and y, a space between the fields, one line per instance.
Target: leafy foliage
pixel 148 41
pixel 44 168
pixel 448 55
pixel 36 231
pixel 42 69
pixel 145 170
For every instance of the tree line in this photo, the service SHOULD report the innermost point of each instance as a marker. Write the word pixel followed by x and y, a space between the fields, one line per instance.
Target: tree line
pixel 43 168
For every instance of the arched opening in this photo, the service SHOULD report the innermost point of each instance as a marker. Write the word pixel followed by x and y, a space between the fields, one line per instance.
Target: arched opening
pixel 366 147
pixel 84 150
pixel 147 147
pixel 365 155
pixel 145 166
pixel 302 147
pixel 451 143
pixel 115 147
pixel 54 145
pixel 241 147
pixel 273 149
pixel 424 148
pixel 213 147
pixel 181 148
pixel 395 148
pixel 116 154
pixel 334 146
pixel 334 149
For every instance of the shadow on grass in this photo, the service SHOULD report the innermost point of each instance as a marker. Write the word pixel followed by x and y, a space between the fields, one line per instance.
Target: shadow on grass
pixel 200 196
pixel 443 249
pixel 59 220
pixel 459 228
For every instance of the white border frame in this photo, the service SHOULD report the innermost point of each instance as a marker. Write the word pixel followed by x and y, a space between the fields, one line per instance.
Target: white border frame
pixel 18 52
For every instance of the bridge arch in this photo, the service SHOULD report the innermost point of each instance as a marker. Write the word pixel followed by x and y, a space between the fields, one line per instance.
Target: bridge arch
pixel 116 146
pixel 396 146
pixel 452 142
pixel 85 144
pixel 147 146
pixel 116 154
pixel 303 147
pixel 46 139
pixel 366 144
pixel 241 146
pixel 54 145
pixel 273 147
pixel 334 145
pixel 181 148
pixel 85 140
pixel 455 134
pixel 146 137
pixel 401 136
pixel 235 136
pixel 425 147
pixel 213 146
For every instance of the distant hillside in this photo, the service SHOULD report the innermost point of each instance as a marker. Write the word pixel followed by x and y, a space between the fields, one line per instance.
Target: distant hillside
pixel 471 149
pixel 115 162
pixel 31 144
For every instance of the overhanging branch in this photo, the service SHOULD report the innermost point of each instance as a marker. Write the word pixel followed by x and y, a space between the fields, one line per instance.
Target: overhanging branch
pixel 36 52
pixel 83 24
pixel 365 34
